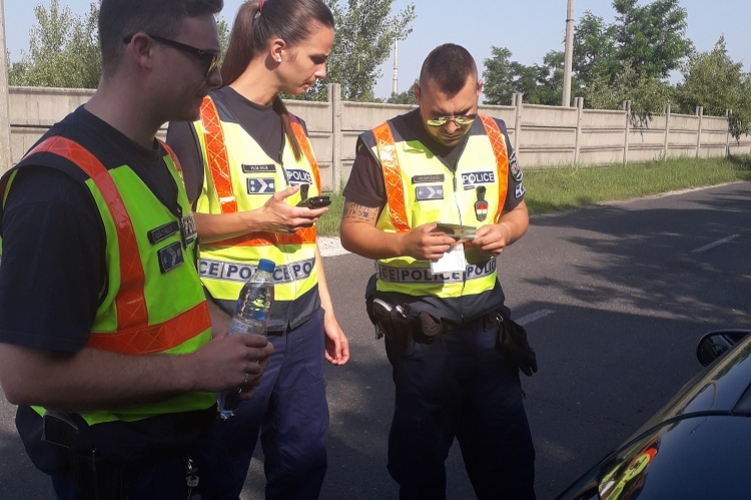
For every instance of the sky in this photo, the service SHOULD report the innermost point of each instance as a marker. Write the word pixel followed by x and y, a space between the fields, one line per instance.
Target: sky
pixel 528 28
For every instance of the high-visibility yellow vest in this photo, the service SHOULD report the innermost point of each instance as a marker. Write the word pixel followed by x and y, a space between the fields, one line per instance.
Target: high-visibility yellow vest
pixel 154 302
pixel 240 176
pixel 421 189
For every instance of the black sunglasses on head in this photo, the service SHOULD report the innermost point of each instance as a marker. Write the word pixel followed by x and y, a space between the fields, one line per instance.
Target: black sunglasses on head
pixel 209 59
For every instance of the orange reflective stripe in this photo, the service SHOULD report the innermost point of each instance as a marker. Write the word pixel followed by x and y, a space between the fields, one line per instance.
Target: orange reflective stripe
pixel 259 239
pixel 130 300
pixel 392 177
pixel 301 237
pixel 498 142
pixel 216 156
pixel 304 142
pixel 307 235
pixel 174 159
pixel 155 338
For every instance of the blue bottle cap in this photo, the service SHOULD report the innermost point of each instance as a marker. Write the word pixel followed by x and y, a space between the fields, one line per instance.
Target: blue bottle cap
pixel 266 265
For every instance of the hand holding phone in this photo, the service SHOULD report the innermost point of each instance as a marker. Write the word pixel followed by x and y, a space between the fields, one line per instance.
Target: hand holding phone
pixel 315 202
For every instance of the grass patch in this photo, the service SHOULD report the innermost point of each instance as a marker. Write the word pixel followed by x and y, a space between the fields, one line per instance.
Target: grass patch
pixel 555 190
pixel 570 188
pixel 328 225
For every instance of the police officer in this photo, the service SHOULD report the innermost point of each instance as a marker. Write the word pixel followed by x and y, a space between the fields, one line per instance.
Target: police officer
pixel 248 164
pixel 104 327
pixel 444 163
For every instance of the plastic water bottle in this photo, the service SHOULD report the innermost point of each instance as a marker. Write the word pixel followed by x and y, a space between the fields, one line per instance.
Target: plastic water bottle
pixel 251 313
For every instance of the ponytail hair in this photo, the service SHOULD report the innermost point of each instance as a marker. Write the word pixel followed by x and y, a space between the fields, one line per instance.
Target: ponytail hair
pixel 256 23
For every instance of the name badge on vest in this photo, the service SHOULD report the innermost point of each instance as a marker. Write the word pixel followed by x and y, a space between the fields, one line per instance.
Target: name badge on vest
pixel 188 229
pixel 163 232
pixel 255 169
pixel 170 257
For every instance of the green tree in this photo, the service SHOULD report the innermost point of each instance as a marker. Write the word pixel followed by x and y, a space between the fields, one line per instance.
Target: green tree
pixel 594 51
pixel 651 37
pixel 632 58
pixel 63 50
pixel 648 94
pixel 716 82
pixel 498 78
pixel 549 89
pixel 539 84
pixel 365 33
pixel 224 31
pixel 406 97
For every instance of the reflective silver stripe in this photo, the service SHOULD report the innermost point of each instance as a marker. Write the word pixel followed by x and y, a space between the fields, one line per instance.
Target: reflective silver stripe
pixel 424 275
pixel 235 272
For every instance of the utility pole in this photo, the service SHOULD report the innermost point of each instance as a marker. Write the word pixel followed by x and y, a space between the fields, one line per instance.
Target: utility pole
pixel 568 61
pixel 4 100
pixel 395 78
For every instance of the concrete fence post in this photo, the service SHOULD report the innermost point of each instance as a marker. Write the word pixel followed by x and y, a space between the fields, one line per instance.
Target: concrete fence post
pixel 517 101
pixel 700 115
pixel 728 115
pixel 335 101
pixel 579 103
pixel 666 142
pixel 627 109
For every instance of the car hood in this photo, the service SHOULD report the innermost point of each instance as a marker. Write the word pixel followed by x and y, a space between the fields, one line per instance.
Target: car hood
pixel 723 387
pixel 694 458
pixel 694 448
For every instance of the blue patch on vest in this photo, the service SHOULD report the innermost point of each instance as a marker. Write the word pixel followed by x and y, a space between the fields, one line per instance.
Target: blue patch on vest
pixel 297 176
pixel 471 179
pixel 262 186
pixel 423 193
pixel 170 257
pixel 239 273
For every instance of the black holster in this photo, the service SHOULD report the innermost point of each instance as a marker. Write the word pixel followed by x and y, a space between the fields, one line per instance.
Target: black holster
pixel 513 343
pixel 60 448
pixel 390 320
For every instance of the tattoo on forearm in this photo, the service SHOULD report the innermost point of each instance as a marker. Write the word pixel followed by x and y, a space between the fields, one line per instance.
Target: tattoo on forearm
pixel 359 212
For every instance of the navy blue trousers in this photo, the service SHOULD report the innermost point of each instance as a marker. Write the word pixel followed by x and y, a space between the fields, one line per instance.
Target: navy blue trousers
pixel 162 480
pixel 289 410
pixel 459 386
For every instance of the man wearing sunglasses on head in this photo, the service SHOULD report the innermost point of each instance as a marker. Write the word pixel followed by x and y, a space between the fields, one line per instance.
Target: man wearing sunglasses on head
pixel 435 294
pixel 105 335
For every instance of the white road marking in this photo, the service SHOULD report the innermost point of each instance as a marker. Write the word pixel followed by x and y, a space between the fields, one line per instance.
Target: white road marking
pixel 330 246
pixel 716 243
pixel 529 318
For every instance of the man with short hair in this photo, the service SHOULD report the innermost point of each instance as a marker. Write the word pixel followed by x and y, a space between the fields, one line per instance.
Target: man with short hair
pixel 105 336
pixel 435 294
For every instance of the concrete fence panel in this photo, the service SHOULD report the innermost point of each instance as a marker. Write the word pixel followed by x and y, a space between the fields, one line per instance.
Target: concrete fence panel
pixel 602 137
pixel 544 136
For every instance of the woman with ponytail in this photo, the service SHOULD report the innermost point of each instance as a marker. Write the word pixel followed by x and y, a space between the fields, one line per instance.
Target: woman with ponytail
pixel 247 163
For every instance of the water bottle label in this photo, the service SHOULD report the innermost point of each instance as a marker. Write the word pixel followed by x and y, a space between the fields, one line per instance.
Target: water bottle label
pixel 238 327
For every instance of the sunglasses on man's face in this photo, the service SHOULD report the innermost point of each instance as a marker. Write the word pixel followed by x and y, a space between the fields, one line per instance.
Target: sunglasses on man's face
pixel 209 59
pixel 460 120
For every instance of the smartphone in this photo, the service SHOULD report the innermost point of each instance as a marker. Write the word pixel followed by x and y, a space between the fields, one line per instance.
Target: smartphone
pixel 315 202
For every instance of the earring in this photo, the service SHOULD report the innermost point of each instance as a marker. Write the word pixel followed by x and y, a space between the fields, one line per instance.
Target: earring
pixel 279 60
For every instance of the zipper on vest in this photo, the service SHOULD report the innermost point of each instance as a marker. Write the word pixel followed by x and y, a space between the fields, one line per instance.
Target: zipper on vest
pixel 461 221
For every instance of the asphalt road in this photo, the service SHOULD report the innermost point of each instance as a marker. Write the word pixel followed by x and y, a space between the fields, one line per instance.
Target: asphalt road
pixel 614 298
